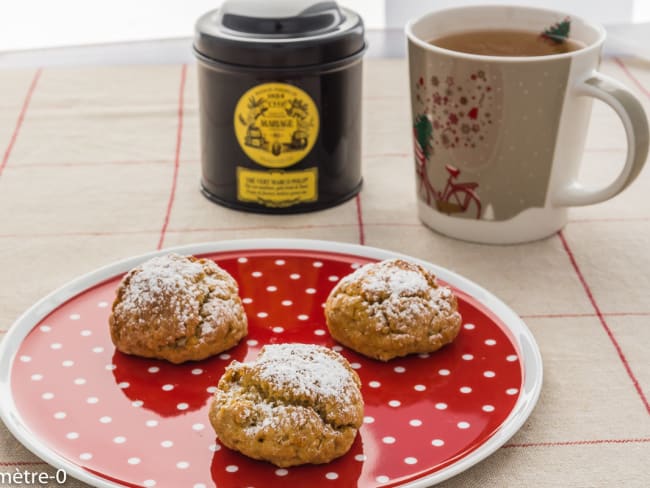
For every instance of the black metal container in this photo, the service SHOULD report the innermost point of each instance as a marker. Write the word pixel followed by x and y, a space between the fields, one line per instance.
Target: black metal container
pixel 280 104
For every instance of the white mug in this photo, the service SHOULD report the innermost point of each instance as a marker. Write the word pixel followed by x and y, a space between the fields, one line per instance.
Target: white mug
pixel 498 140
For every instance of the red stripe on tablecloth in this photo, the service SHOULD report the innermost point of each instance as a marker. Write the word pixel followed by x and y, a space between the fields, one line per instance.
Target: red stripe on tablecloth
pixel 603 322
pixel 177 156
pixel 21 118
pixel 580 443
pixel 362 234
pixel 632 78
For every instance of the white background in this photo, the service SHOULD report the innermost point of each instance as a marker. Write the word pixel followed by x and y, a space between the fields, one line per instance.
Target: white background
pixel 28 24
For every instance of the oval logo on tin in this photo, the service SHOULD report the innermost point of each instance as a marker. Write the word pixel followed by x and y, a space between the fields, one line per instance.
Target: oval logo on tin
pixel 276 124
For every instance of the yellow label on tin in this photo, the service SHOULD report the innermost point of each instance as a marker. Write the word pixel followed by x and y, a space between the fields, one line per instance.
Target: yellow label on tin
pixel 276 124
pixel 277 188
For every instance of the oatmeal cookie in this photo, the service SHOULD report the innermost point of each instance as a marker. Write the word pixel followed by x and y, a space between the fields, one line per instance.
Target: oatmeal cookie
pixel 295 404
pixel 177 308
pixel 391 309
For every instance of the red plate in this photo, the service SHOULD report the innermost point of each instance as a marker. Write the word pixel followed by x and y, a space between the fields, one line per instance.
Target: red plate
pixel 117 420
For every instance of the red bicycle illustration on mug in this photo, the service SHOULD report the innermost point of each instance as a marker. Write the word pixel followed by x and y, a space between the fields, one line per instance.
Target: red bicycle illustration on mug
pixel 457 197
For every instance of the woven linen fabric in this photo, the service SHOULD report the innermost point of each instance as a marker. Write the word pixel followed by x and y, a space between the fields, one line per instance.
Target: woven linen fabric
pixel 102 163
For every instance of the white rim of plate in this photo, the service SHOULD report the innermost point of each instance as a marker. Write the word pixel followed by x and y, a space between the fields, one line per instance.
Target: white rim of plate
pixel 520 334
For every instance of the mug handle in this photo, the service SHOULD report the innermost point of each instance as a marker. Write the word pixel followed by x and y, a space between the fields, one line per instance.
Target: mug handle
pixel 635 122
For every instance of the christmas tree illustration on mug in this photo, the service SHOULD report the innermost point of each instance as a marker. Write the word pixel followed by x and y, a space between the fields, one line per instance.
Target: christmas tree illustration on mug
pixel 457 197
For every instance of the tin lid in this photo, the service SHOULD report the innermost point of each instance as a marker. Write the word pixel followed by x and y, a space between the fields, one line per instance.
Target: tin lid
pixel 279 33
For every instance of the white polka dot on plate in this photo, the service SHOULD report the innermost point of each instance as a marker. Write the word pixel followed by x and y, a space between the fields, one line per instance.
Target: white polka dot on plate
pixel 444 372
pixel 198 427
pixel 441 406
pixel 151 423
pixel 394 403
pixel 415 423
pixel 252 342
pixel 469 326
pixel 271 288
pixel 310 291
pixel 319 332
pixel 399 369
pixel 317 264
pixel 149 483
pixel 368 420
pixel 262 315
pixel 182 465
pixel 110 367
pixel 105 419
pixel 211 389
pixel 488 408
pixel 45 328
pixel 133 460
pixel 374 384
pixel 214 447
pixel 85 456
pixel 242 260
pixel 137 403
pixel 511 358
pixel 60 415
pixel 247 300
pixel 256 274
pixel 232 468
pixel 332 475
pixel 119 439
pixel 333 278
pixel 166 444
pixel 467 357
pixel 224 356
pixel 303 317
pixel 382 479
pixel 463 425
pixel 512 391
pixel 388 440
pixel 102 304
pixel 281 472
pixel 490 342
pixel 337 348
pixel 75 316
pixel 419 387
pixel 72 435
pixel 197 371
pixel 437 442
pixel 280 262
pixel 410 460
pixel 286 303
pixel 182 406
pixel 278 330
pixel 489 374
pixel 294 276
pixel 355 365
pixel 123 385
pixel 167 387
pixel 424 355
pixel 360 457
pixel 466 389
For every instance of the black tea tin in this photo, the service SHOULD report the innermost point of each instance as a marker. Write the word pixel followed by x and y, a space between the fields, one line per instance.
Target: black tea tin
pixel 280 104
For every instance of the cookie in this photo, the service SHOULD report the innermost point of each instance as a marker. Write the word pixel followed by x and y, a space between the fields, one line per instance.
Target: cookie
pixel 295 404
pixel 391 309
pixel 177 308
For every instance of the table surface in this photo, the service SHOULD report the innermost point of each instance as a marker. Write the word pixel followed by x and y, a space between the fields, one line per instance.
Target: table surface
pixel 102 163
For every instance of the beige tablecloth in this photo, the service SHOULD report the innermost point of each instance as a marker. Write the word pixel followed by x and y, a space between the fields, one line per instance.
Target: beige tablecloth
pixel 102 163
